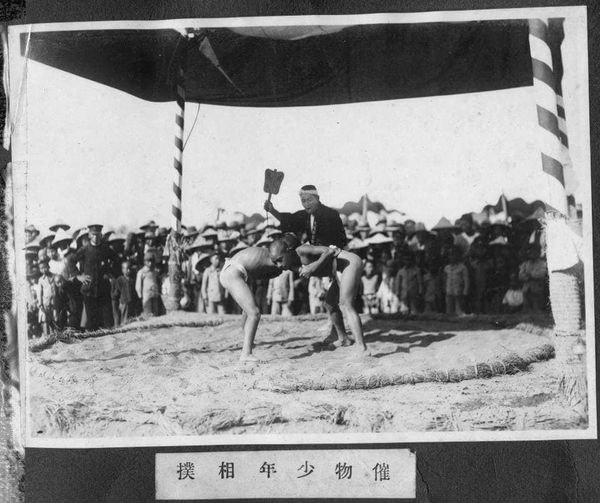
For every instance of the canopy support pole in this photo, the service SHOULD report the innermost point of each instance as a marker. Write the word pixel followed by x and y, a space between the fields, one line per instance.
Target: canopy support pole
pixel 174 241
pixel 562 254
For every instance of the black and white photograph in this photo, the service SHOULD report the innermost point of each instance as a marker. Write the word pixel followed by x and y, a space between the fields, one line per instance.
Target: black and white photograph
pixel 324 229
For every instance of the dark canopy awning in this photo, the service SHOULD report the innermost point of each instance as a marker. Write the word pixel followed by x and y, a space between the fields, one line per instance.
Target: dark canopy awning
pixel 354 64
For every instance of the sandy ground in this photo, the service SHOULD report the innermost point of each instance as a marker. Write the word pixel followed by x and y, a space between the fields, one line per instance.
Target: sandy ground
pixel 186 380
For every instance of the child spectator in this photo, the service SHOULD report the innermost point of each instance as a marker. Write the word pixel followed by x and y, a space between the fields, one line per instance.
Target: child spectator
pixel 316 294
pixel 456 283
pixel 147 286
pixel 280 293
pixel 513 298
pixel 212 292
pixel 532 273
pixel 370 284
pixel 46 293
pixel 409 284
pixel 124 294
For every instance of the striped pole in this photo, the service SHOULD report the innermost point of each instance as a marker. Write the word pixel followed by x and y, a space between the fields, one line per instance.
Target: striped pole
pixel 549 135
pixel 561 254
pixel 178 153
pixel 173 245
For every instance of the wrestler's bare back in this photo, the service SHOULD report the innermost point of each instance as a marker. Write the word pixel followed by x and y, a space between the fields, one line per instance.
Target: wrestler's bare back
pixel 257 263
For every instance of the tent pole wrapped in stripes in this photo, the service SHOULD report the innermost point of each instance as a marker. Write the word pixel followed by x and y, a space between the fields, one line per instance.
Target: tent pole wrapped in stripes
pixel 323 65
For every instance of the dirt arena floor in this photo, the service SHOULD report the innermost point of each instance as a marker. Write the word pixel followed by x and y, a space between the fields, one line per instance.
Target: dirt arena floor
pixel 180 375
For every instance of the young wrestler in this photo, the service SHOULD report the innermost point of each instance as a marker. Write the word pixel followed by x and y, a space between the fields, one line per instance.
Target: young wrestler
pixel 253 263
pixel 326 261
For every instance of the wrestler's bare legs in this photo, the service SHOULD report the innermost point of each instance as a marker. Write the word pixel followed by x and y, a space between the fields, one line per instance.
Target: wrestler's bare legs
pixel 349 285
pixel 234 282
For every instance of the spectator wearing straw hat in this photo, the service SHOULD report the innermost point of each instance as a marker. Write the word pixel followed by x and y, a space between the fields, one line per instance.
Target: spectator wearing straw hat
pixel 31 233
pixel 322 224
pixel 94 261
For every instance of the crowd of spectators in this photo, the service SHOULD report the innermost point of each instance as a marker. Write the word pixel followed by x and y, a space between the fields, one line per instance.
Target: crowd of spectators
pixel 93 278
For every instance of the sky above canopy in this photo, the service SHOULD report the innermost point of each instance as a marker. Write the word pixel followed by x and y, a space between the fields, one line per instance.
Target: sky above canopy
pixel 98 154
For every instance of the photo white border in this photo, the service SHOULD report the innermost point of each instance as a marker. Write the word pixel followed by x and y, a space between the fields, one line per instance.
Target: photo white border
pixel 19 152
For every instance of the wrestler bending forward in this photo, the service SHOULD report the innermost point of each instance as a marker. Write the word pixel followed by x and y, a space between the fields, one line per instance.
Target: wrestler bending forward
pixel 266 263
pixel 257 263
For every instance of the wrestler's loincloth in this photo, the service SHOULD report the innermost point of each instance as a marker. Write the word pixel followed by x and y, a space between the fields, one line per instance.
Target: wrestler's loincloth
pixel 236 265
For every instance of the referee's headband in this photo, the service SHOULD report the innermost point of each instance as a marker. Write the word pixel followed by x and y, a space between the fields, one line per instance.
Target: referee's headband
pixel 309 189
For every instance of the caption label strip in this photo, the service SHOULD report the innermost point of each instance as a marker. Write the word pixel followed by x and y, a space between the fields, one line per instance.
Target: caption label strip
pixel 331 473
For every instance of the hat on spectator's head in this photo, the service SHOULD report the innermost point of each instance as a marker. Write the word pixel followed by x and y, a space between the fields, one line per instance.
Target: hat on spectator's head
pixel 264 241
pixel 33 246
pixel 32 228
pixel 202 260
pixel 363 226
pixel 81 234
pixel 420 227
pixel 116 238
pixel 108 234
pixel 444 223
pixel 60 224
pixel 199 243
pixel 191 231
pixel 394 228
pixel 95 228
pixel 273 233
pixel 47 239
pixel 237 248
pixel 221 224
pixel 499 241
pixel 61 237
pixel 150 225
pixel 209 232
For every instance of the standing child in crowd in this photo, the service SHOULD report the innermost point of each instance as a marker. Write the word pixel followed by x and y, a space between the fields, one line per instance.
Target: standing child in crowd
pixel 513 298
pixel 410 284
pixel 212 292
pixel 370 284
pixel 125 295
pixel 280 293
pixel 46 293
pixel 456 282
pixel 532 273
pixel 147 286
